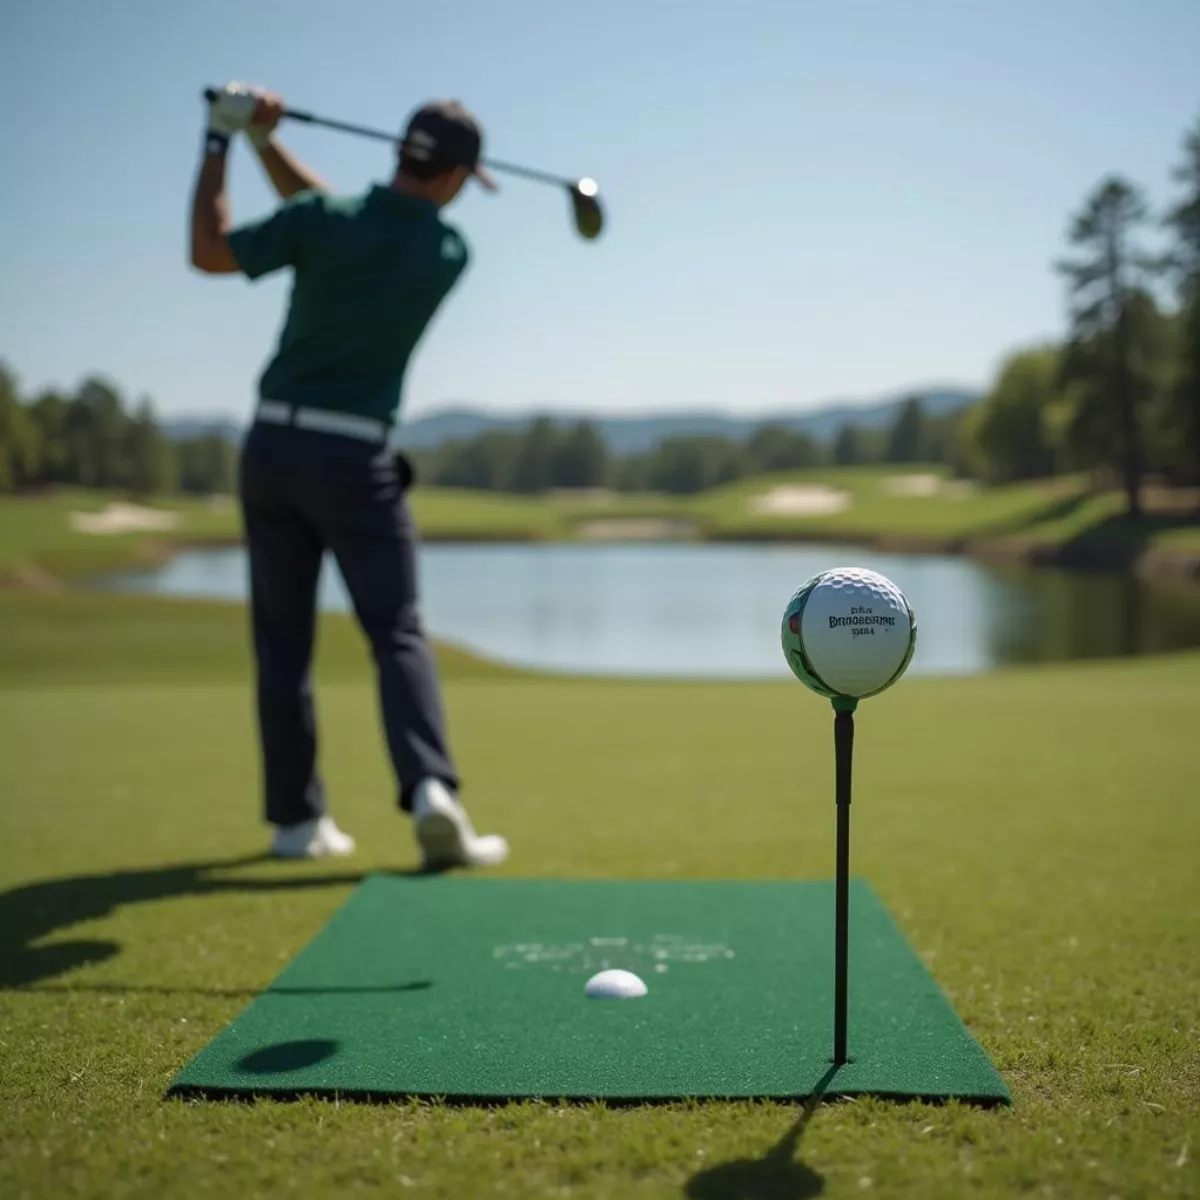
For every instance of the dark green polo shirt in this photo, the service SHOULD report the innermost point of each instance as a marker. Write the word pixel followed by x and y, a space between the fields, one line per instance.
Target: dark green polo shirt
pixel 369 273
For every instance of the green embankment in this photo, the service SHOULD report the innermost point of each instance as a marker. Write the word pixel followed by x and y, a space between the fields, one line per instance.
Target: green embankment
pixel 1061 521
pixel 1039 519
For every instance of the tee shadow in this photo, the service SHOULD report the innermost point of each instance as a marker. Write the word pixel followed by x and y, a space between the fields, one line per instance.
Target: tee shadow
pixel 775 1176
pixel 35 911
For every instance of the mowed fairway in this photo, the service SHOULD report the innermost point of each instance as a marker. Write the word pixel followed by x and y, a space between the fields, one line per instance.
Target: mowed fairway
pixel 1036 835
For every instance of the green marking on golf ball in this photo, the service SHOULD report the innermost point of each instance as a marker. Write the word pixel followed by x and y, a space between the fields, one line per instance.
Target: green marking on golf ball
pixel 848 633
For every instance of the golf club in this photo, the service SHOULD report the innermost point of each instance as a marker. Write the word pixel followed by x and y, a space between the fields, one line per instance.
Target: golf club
pixel 584 193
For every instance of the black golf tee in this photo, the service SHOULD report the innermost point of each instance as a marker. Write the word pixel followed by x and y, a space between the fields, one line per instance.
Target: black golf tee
pixel 843 741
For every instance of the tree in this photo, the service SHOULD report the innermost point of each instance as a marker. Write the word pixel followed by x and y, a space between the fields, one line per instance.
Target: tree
pixel 945 440
pixel 686 465
pixel 487 461
pixel 849 447
pixel 1085 426
pixel 1099 353
pixel 1184 223
pixel 906 439
pixel 207 465
pixel 49 412
pixel 632 473
pixel 96 435
pixel 776 448
pixel 1009 432
pixel 533 471
pixel 582 458
pixel 150 458
pixel 18 436
pixel 1155 338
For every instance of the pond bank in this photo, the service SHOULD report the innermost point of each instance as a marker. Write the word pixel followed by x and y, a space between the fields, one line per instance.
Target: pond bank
pixel 1179 563
pixel 1115 546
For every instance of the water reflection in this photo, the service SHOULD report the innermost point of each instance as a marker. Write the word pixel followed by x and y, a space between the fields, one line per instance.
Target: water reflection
pixel 1057 616
pixel 713 611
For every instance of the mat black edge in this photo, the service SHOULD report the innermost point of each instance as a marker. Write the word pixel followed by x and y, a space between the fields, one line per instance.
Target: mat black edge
pixel 483 881
pixel 188 1091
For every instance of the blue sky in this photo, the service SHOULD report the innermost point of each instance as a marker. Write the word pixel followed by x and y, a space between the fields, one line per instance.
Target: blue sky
pixel 806 201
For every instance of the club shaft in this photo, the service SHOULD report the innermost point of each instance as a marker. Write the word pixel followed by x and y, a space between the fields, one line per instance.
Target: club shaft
pixel 527 173
pixel 379 135
pixel 843 741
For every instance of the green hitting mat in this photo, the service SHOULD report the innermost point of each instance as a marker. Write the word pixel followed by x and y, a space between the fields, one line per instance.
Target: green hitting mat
pixel 474 989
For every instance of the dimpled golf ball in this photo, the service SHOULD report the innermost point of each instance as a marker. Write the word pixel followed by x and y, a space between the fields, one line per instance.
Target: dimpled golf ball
pixel 614 985
pixel 848 633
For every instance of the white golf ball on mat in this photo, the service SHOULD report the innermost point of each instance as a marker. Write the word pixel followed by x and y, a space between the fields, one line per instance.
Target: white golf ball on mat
pixel 849 633
pixel 614 985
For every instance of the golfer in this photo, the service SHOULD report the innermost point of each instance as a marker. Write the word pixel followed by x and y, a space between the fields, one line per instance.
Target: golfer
pixel 317 469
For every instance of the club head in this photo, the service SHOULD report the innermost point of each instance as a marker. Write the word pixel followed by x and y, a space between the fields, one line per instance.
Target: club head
pixel 585 204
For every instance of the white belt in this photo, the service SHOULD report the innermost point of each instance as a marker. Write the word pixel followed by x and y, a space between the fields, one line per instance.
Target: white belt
pixel 366 429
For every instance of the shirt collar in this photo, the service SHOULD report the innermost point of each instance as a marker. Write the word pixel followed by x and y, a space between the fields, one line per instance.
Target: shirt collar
pixel 401 203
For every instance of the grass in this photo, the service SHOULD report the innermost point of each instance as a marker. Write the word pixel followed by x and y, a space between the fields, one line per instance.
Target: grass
pixel 1034 833
pixel 449 513
pixel 873 510
pixel 1040 511
pixel 35 532
pixel 89 638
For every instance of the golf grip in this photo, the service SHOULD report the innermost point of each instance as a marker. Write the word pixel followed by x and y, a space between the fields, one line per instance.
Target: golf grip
pixel 293 114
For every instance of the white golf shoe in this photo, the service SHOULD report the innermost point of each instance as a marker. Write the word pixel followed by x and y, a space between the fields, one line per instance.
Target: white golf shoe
pixel 318 838
pixel 444 832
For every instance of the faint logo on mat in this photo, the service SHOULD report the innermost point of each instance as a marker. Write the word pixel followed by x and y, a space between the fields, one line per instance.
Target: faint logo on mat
pixel 659 954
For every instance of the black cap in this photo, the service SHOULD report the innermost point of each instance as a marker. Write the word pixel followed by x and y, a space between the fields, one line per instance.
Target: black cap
pixel 444 134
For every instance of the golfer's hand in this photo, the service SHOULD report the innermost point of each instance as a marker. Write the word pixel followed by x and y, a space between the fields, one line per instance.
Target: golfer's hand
pixel 267 114
pixel 232 109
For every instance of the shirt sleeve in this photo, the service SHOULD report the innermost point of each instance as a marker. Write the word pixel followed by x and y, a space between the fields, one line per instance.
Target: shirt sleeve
pixel 455 255
pixel 279 240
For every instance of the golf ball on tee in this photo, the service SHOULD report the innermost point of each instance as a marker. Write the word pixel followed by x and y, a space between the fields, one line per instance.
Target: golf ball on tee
pixel 848 632
pixel 614 985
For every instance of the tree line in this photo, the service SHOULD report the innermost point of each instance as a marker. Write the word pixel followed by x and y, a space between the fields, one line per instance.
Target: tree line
pixel 94 438
pixel 547 455
pixel 1121 394
pixel 1119 398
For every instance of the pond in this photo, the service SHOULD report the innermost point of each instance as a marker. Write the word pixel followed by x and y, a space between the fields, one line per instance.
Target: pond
pixel 713 612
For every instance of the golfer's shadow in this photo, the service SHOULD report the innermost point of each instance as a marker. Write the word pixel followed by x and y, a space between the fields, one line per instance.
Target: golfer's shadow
pixel 35 911
pixel 775 1176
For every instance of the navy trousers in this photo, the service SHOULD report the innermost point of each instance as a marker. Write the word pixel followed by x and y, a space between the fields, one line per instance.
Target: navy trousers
pixel 304 493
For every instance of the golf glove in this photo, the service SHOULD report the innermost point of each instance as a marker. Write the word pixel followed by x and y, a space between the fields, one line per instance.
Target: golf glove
pixel 231 111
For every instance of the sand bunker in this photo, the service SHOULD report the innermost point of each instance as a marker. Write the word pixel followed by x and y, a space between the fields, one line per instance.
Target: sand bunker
pixel 912 485
pixel 927 485
pixel 123 518
pixel 635 529
pixel 800 500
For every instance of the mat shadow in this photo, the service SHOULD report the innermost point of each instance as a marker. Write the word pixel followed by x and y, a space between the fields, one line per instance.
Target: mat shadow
pixel 775 1176
pixel 151 989
pixel 38 910
pixel 288 1056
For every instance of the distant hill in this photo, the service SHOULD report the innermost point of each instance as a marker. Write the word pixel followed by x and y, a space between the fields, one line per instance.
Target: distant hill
pixel 639 434
pixel 636 434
